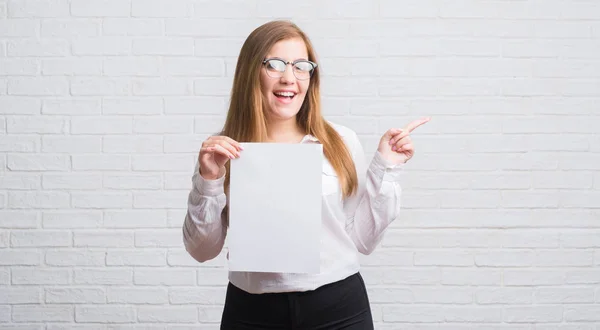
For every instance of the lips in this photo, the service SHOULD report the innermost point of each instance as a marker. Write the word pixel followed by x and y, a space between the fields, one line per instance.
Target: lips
pixel 285 96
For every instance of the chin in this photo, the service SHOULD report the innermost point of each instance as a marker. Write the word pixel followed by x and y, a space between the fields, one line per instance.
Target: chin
pixel 285 111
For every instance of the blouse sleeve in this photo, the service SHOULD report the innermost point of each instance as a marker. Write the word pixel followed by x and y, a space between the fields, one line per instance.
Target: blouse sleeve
pixel 377 202
pixel 204 230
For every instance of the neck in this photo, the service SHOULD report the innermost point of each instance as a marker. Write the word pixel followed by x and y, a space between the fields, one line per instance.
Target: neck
pixel 286 131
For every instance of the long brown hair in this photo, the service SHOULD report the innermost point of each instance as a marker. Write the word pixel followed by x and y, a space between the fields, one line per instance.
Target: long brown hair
pixel 246 121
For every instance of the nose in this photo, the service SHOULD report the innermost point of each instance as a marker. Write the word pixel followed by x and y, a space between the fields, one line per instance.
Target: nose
pixel 288 75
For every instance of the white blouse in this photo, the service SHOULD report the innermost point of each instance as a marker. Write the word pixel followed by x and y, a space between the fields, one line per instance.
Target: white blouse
pixel 349 226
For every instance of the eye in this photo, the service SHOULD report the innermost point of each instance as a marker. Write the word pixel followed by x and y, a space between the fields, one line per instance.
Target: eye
pixel 303 66
pixel 275 65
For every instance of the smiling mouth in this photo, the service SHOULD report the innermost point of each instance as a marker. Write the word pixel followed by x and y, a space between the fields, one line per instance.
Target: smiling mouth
pixel 285 95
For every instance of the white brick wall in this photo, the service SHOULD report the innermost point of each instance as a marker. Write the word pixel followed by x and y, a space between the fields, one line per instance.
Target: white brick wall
pixel 104 104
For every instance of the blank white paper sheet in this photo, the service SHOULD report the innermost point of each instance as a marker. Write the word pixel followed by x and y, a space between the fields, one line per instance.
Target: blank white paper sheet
pixel 275 208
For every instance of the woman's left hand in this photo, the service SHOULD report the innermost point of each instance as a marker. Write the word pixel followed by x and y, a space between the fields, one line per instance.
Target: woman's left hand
pixel 396 146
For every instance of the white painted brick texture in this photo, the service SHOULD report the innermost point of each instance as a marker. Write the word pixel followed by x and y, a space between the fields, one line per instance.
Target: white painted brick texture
pixel 104 105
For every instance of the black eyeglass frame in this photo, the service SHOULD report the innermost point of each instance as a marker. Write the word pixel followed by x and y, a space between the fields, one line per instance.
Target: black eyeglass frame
pixel 315 65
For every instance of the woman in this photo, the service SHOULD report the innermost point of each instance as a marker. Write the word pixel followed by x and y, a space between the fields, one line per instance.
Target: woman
pixel 275 98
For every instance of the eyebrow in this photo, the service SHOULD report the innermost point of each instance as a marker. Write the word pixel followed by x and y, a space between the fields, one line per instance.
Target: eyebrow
pixel 283 59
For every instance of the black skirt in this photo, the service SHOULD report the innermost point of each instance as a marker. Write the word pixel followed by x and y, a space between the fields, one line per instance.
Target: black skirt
pixel 340 305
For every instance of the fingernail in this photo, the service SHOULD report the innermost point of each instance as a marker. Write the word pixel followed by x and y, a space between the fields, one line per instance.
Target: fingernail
pixel 394 148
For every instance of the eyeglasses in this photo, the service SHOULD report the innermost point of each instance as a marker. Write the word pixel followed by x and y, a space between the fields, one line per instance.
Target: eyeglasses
pixel 302 69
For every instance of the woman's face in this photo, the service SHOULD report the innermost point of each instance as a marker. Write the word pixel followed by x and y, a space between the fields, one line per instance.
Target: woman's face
pixel 284 95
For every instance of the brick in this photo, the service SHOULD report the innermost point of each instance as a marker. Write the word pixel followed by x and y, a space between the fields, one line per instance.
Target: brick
pixel 72 106
pixel 564 258
pixel 170 199
pixel 20 295
pixel 583 277
pixel 135 219
pixel 399 276
pixel 126 295
pixel 72 219
pixel 582 313
pixel 101 200
pixel 564 295
pixel 112 239
pixel 104 8
pixel 37 48
pixel 104 314
pixel 31 124
pixel 38 200
pixel 537 314
pixel 19 258
pixel 229 9
pixel 42 313
pixel 70 28
pixel 38 8
pixel 4 276
pixel 39 86
pixel 72 181
pixel 190 105
pixel 72 67
pixel 162 277
pixel 177 181
pixel 101 46
pixel 160 86
pixel 99 86
pixel 11 105
pixel 161 8
pixel 75 296
pixel 71 144
pixel 529 199
pixel 20 181
pixel 46 238
pixel 163 46
pixel 533 277
pixel 16 219
pixel 132 27
pixel 133 181
pixel 504 296
pixel 470 276
pixel 41 277
pixel 180 314
pixel 101 125
pixel 162 238
pixel 440 258
pixel 140 66
pixel 504 259
pixel 101 162
pixel 132 144
pixel 473 314
pixel 417 314
pixel 579 199
pixel 208 125
pixel 79 258
pixel 135 258
pixel 174 125
pixel 19 67
pixel 38 162
pixel 215 47
pixel 576 239
pixel 163 163
pixel 202 296
pixel 102 276
pixel 453 295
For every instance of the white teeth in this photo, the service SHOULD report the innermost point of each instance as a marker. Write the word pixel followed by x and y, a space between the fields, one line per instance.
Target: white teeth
pixel 290 94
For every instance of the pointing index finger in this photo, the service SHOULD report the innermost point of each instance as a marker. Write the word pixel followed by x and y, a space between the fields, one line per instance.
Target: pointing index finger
pixel 411 127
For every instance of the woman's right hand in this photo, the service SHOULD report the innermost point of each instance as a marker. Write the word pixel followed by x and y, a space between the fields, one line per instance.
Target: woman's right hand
pixel 214 154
